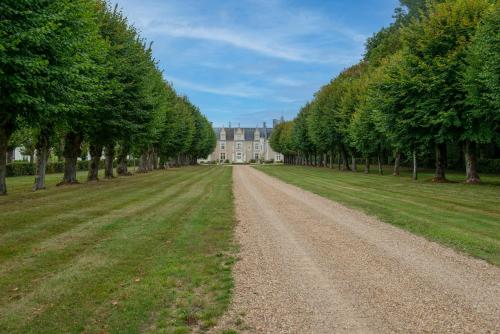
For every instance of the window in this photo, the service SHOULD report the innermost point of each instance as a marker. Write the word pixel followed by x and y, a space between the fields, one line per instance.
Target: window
pixel 239 135
pixel 223 146
pixel 238 156
pixel 278 157
pixel 256 135
pixel 256 156
pixel 223 156
pixel 257 146
pixel 238 146
pixel 223 135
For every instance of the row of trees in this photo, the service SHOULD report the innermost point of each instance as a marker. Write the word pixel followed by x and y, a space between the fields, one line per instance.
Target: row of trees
pixel 428 81
pixel 75 71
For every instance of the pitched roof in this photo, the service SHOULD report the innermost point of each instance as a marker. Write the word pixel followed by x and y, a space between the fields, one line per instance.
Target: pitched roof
pixel 248 133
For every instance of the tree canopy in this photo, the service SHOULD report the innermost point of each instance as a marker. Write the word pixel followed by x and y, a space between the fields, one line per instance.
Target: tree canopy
pixel 427 85
pixel 76 72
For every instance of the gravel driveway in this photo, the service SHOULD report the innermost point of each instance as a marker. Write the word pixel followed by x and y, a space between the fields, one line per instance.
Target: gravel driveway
pixel 310 265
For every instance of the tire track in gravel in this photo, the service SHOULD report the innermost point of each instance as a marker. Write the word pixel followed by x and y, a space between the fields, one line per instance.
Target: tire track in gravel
pixel 310 265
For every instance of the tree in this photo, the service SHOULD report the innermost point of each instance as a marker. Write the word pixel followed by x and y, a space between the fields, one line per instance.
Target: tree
pixel 282 141
pixel 81 87
pixel 25 28
pixel 481 78
pixel 300 135
pixel 433 54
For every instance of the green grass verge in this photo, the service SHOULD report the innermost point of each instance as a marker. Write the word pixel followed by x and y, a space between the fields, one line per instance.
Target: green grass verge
pixel 148 253
pixel 465 217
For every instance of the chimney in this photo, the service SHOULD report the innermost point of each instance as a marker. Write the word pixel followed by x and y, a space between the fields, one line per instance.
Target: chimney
pixel 230 125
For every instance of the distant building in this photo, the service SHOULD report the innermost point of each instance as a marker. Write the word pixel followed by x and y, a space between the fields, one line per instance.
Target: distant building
pixel 17 155
pixel 242 145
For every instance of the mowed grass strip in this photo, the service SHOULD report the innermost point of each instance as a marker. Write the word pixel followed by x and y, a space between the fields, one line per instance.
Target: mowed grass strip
pixel 148 253
pixel 465 217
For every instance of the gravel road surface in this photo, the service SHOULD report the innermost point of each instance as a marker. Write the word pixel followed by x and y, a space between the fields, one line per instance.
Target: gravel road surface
pixel 310 265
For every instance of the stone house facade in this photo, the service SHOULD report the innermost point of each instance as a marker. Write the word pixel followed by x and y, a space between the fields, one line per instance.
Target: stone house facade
pixel 242 145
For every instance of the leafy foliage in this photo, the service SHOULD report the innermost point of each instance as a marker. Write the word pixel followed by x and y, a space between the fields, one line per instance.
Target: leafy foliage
pixel 432 78
pixel 75 71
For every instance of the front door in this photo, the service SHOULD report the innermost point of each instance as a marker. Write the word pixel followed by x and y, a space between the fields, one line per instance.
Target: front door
pixel 239 157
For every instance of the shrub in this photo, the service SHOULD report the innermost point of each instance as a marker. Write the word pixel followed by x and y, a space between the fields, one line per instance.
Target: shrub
pixel 20 169
pixel 489 165
pixel 24 168
pixel 252 161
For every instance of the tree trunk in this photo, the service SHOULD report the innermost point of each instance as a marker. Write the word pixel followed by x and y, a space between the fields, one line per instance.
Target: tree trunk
pixel 440 163
pixel 122 168
pixel 42 156
pixel 345 162
pixel 471 163
pixel 155 160
pixel 415 174
pixel 331 159
pixel 151 157
pixel 397 163
pixel 143 163
pixel 379 160
pixel 72 150
pixel 367 165
pixel 95 151
pixel 354 167
pixel 108 161
pixel 5 132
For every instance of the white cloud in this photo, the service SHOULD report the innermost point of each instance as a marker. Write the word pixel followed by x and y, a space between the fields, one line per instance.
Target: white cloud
pixel 237 39
pixel 285 81
pixel 240 89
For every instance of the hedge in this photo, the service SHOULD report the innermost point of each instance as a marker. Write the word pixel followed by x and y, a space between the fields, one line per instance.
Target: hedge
pixel 21 168
pixel 488 165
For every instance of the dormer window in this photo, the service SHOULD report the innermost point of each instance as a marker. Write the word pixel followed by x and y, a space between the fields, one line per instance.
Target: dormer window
pixel 223 135
pixel 256 135
pixel 239 135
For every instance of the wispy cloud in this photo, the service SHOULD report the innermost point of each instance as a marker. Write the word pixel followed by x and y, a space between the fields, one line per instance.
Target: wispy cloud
pixel 240 89
pixel 253 60
pixel 286 81
pixel 236 39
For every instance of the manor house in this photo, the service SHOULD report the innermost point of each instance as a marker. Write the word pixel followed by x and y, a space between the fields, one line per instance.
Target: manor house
pixel 241 145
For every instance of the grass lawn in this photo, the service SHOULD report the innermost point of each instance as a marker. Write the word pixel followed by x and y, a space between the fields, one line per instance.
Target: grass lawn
pixel 465 217
pixel 148 253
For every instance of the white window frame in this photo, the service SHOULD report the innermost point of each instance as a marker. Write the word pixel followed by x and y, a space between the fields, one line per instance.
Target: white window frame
pixel 257 146
pixel 277 157
pixel 223 156
pixel 239 156
pixel 256 156
pixel 223 145
pixel 239 145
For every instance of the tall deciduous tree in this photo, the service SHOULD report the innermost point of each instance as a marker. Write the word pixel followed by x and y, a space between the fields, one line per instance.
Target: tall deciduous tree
pixel 481 117
pixel 434 52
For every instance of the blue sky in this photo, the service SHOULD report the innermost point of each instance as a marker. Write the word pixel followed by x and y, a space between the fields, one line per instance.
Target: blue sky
pixel 249 61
